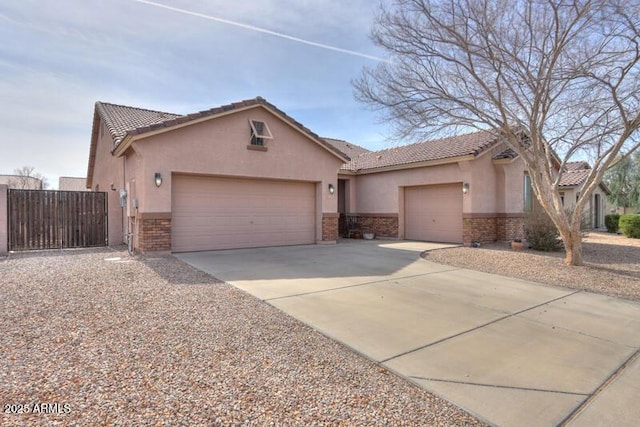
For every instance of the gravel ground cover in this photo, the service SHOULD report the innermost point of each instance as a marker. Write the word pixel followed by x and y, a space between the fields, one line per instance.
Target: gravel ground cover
pixel 94 337
pixel 611 264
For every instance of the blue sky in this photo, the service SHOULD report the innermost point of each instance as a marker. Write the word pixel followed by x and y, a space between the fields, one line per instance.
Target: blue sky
pixel 60 56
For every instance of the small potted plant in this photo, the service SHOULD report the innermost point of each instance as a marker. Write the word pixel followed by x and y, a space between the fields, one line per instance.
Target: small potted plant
pixel 516 244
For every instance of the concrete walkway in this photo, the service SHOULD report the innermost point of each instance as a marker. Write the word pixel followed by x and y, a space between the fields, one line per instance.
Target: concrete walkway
pixel 508 351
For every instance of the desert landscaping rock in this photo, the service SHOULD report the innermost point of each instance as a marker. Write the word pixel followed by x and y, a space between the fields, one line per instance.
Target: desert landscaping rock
pixel 611 264
pixel 115 340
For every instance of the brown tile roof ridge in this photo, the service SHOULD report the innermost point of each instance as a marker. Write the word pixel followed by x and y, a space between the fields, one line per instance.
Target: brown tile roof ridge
pixel 577 165
pixel 472 143
pixel 347 144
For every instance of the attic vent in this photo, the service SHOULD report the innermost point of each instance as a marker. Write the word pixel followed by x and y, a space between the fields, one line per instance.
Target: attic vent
pixel 259 132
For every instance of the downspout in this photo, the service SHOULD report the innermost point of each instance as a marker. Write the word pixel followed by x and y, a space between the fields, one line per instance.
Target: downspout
pixel 124 186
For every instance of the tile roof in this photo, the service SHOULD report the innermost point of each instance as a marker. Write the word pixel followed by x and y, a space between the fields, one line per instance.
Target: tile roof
pixel 437 149
pixel 352 150
pixel 123 120
pixel 572 178
pixel 509 153
pixel 572 166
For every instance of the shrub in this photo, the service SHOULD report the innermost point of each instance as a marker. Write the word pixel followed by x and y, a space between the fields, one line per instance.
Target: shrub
pixel 630 225
pixel 612 221
pixel 541 233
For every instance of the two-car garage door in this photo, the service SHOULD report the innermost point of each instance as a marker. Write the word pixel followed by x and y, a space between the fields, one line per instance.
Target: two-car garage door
pixel 434 213
pixel 222 213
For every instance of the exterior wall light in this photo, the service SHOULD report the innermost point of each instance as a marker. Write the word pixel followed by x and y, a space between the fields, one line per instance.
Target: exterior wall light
pixel 332 189
pixel 465 187
pixel 158 179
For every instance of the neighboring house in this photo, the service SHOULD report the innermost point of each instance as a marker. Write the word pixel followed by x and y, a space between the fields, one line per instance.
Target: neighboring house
pixel 240 175
pixel 570 186
pixel 248 175
pixel 67 183
pixel 20 182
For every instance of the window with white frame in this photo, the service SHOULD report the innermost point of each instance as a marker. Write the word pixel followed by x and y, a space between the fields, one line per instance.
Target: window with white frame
pixel 259 132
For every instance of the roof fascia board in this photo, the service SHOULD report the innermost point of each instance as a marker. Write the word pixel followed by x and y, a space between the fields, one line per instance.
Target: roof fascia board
pixel 129 139
pixel 97 122
pixel 504 161
pixel 304 133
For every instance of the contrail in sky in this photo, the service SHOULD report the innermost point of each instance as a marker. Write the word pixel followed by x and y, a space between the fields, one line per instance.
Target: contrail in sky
pixel 265 31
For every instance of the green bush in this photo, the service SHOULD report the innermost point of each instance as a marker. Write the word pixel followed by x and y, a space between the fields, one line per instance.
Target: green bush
pixel 612 221
pixel 541 233
pixel 630 225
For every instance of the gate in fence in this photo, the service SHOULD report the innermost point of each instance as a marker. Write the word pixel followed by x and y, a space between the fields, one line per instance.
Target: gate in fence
pixel 48 219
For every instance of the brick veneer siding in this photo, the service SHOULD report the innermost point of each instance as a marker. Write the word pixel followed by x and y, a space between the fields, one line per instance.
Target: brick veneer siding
pixel 154 234
pixel 385 225
pixel 511 227
pixel 491 227
pixel 478 229
pixel 330 227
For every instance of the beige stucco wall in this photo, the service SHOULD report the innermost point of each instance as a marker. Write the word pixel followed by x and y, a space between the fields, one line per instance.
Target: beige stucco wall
pixel 109 170
pixel 509 187
pixel 589 210
pixel 380 192
pixel 351 196
pixel 494 188
pixel 219 147
pixel 3 219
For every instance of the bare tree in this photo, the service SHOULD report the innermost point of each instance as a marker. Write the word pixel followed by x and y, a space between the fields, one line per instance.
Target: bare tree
pixel 562 73
pixel 27 178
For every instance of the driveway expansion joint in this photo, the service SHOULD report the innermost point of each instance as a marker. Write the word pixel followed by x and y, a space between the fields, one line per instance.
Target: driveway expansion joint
pixel 609 380
pixel 573 393
pixel 395 279
pixel 478 327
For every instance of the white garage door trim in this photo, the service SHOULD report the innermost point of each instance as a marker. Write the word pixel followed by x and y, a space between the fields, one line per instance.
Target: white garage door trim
pixel 210 213
pixel 434 213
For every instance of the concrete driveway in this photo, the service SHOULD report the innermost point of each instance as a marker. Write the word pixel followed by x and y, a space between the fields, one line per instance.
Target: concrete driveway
pixel 508 351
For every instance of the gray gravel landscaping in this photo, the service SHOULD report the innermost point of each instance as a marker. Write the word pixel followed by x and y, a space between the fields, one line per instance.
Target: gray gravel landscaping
pixel 115 340
pixel 611 264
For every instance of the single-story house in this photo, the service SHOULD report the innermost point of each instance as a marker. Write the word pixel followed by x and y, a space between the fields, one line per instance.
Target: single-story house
pixel 71 183
pixel 248 175
pixel 21 182
pixel 571 184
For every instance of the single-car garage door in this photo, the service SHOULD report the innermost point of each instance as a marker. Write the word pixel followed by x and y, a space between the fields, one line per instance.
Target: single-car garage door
pixel 225 213
pixel 434 213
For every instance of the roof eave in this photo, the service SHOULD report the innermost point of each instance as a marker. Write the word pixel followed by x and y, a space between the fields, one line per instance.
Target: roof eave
pixel 136 135
pixel 505 161
pixel 93 147
pixel 304 131
pixel 139 134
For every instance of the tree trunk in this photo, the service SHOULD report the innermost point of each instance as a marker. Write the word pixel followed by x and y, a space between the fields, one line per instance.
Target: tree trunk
pixel 572 239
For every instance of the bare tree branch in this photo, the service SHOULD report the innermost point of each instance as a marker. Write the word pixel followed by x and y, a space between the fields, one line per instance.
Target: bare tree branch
pixel 566 72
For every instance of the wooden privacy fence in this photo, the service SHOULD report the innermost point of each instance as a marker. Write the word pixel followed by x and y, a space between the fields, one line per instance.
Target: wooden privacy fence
pixel 47 219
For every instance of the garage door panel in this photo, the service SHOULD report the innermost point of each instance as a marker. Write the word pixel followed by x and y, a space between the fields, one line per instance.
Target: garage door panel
pixel 223 213
pixel 434 213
